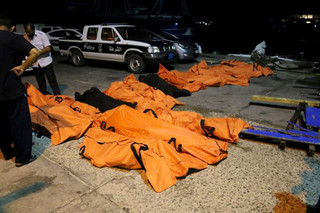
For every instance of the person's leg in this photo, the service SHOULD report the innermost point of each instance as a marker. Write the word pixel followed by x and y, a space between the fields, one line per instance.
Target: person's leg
pixel 52 79
pixel 20 122
pixel 6 139
pixel 40 77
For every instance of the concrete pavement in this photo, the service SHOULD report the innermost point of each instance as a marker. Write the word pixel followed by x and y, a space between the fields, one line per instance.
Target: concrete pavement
pixel 255 177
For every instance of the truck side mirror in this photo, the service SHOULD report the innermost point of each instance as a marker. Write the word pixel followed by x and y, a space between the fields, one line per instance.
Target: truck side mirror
pixel 116 39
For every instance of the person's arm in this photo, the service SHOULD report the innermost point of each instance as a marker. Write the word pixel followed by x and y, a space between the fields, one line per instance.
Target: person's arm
pixel 46 43
pixel 32 58
pixel 45 50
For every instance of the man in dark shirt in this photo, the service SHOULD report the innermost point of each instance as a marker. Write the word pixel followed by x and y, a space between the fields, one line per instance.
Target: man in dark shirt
pixel 15 121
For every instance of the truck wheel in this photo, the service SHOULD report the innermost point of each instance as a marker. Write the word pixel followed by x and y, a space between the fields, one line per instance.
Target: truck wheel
pixel 77 58
pixel 136 64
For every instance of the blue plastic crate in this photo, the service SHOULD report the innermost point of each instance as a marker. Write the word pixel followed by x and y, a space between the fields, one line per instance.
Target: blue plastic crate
pixel 313 116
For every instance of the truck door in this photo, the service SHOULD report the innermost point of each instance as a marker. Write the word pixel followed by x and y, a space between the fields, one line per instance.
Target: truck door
pixel 111 49
pixel 91 42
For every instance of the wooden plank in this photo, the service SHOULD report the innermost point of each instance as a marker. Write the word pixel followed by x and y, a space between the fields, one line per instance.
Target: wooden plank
pixel 284 100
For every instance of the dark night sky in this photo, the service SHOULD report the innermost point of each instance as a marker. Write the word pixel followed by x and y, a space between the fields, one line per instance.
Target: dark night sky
pixel 51 10
pixel 238 25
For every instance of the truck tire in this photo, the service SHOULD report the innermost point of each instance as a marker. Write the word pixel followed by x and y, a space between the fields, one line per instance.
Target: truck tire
pixel 136 64
pixel 76 58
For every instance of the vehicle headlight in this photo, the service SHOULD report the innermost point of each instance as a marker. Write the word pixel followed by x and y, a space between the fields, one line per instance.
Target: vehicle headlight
pixel 153 49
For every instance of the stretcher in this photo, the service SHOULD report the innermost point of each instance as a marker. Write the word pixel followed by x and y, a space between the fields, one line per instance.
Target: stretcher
pixel 306 132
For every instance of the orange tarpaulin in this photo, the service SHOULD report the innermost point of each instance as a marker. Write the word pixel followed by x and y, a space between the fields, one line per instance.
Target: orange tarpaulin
pixel 162 163
pixel 134 124
pixel 61 116
pixel 164 150
pixel 163 142
pixel 226 129
pixel 201 75
pixel 36 98
pixel 68 124
pixel 131 90
pixel 180 79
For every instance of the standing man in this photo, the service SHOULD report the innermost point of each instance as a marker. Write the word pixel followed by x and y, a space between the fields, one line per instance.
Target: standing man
pixel 15 121
pixel 44 65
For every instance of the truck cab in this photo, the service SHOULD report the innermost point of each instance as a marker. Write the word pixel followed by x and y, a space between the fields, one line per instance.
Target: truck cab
pixel 119 43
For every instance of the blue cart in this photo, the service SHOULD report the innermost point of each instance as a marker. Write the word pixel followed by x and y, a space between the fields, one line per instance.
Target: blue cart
pixel 303 127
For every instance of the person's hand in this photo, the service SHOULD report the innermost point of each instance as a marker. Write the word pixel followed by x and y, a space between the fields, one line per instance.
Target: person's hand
pixel 18 70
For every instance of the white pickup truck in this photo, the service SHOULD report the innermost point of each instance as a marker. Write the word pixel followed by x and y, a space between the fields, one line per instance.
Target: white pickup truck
pixel 119 43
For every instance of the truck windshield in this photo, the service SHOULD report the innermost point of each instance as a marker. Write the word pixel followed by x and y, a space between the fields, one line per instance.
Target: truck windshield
pixel 133 33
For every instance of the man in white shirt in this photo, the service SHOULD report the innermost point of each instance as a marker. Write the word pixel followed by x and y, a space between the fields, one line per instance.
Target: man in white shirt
pixel 44 66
